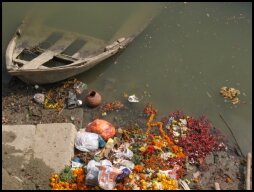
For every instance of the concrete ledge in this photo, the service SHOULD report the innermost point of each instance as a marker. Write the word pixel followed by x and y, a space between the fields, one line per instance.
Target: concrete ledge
pixel 52 143
pixel 18 136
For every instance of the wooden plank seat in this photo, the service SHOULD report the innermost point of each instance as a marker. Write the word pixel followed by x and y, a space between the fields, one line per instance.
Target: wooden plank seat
pixel 50 53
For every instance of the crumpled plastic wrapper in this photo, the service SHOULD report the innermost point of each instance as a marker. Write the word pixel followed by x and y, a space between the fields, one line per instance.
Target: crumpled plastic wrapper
pixel 133 99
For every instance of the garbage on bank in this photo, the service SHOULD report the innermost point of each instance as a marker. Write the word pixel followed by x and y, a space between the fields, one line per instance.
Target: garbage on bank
pixel 155 157
pixel 62 97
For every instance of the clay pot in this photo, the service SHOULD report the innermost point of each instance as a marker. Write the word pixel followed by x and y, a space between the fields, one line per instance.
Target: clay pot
pixel 93 99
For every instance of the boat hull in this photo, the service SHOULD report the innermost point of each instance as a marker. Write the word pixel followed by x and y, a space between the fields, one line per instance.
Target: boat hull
pixel 55 74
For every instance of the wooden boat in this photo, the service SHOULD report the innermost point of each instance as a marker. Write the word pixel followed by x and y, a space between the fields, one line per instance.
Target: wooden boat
pixel 35 62
pixel 40 54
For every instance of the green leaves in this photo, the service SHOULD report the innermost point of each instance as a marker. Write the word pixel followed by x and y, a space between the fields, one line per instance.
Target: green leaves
pixel 66 174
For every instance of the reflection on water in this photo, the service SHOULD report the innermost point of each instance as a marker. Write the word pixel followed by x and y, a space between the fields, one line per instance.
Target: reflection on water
pixel 179 62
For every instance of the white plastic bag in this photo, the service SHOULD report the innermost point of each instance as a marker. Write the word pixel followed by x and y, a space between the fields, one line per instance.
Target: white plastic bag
pixel 107 176
pixel 86 141
pixel 92 173
pixel 123 152
pixel 127 163
pixel 133 99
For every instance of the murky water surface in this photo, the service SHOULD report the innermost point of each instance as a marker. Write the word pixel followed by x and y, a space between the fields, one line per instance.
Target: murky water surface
pixel 179 62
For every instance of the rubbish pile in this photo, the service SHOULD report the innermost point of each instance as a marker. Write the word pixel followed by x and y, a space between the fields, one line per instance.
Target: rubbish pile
pixel 62 97
pixel 155 157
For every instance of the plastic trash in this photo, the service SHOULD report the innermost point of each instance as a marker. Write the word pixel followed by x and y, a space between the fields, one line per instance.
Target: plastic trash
pixel 106 162
pixel 36 86
pixel 133 99
pixel 79 103
pixel 72 100
pixel 125 163
pixel 80 87
pixel 125 172
pixel 123 152
pixel 86 141
pixel 110 144
pixel 39 98
pixel 102 143
pixel 92 173
pixel 105 129
pixel 75 164
pixel 107 176
pixel 77 159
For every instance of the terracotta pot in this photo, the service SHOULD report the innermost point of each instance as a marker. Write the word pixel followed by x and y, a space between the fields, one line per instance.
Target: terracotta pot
pixel 93 99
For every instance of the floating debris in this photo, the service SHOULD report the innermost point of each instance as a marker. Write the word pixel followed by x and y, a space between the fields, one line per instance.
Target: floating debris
pixel 230 94
pixel 111 106
pixel 208 94
pixel 133 99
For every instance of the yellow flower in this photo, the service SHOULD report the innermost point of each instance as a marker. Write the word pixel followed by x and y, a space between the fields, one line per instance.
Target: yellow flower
pixel 142 149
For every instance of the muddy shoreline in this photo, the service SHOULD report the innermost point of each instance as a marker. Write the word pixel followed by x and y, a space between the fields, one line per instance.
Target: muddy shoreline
pixel 18 107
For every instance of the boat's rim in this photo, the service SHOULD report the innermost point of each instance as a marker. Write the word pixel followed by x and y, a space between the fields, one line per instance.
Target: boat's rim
pixel 77 64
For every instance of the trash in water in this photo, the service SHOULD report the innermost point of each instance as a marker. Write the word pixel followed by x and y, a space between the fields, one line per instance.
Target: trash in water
pixel 39 98
pixel 133 99
pixel 230 94
pixel 114 105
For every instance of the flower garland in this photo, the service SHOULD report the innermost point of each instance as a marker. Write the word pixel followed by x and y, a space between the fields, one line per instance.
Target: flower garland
pixel 176 149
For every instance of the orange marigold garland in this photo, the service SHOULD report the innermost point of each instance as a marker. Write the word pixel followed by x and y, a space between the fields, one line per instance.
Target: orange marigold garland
pixel 77 184
pixel 149 110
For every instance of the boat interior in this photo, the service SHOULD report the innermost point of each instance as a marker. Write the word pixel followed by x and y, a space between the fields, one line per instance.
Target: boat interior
pixel 47 47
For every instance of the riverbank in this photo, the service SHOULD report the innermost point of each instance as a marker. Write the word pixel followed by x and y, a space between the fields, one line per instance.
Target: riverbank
pixel 18 107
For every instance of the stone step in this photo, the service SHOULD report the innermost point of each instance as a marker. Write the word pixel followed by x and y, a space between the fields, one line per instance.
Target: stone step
pixel 53 143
